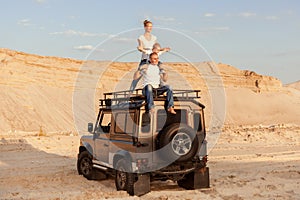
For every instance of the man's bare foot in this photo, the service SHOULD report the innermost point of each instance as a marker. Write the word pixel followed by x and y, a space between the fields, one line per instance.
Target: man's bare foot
pixel 171 110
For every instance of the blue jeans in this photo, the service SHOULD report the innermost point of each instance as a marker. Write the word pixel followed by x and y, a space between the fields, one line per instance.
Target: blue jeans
pixel 148 92
pixel 135 82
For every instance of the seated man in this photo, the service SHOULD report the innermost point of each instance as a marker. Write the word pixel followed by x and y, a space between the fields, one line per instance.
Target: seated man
pixel 157 49
pixel 152 74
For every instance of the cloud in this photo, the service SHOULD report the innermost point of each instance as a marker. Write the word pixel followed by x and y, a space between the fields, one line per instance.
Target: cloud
pixel 221 28
pixel 293 52
pixel 83 47
pixel 214 29
pixel 72 17
pixel 272 18
pixel 40 1
pixel 24 22
pixel 123 39
pixel 163 18
pixel 209 14
pixel 247 14
pixel 78 33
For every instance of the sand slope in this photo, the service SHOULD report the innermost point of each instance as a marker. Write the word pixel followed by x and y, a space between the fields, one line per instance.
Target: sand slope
pixel 38 91
pixel 295 85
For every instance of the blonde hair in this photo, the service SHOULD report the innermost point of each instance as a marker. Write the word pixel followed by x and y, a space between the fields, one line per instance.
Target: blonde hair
pixel 156 45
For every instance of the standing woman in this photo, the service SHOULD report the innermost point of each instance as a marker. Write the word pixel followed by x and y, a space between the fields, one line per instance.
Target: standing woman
pixel 146 42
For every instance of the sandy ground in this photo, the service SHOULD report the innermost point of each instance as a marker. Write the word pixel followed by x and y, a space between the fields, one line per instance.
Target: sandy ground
pixel 251 162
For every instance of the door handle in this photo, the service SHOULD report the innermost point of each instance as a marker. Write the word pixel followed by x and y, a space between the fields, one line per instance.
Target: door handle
pixel 106 145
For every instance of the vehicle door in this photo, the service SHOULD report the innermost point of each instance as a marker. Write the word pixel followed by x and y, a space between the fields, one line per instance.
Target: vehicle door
pixel 124 128
pixel 102 137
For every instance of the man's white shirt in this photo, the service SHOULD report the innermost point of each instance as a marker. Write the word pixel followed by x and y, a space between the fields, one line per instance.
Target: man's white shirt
pixel 151 76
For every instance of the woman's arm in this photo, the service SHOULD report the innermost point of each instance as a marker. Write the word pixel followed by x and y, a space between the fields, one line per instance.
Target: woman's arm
pixel 141 46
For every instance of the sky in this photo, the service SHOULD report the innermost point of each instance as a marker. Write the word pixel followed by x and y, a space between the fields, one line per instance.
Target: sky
pixel 257 35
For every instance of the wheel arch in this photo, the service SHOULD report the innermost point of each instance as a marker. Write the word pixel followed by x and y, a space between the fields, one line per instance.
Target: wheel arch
pixel 86 147
pixel 122 154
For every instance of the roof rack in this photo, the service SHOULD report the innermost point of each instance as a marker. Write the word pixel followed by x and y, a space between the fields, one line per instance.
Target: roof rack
pixel 136 97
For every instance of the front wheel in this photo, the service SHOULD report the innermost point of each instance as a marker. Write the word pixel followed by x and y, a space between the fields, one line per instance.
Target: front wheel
pixel 85 165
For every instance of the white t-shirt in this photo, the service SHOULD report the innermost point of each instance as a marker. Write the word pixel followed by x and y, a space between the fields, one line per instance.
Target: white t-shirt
pixel 148 44
pixel 151 76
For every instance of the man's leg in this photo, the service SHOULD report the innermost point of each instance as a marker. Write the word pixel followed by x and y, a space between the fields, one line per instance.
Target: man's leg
pixel 148 92
pixel 169 100
pixel 133 84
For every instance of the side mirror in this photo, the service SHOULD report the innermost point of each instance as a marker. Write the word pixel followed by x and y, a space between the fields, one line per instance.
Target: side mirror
pixel 90 127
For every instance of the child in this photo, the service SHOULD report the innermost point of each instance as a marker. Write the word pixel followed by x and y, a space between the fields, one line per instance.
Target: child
pixel 156 49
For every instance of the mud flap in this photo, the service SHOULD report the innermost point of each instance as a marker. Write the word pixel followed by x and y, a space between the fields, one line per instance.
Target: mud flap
pixel 201 178
pixel 142 185
pixel 195 180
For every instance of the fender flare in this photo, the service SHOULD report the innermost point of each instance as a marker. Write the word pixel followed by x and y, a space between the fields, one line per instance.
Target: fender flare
pixel 87 147
pixel 121 154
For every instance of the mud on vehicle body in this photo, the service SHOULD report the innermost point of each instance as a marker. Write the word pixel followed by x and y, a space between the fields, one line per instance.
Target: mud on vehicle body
pixel 136 147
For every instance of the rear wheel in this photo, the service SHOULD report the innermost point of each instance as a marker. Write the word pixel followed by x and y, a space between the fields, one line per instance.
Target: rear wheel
pixel 123 179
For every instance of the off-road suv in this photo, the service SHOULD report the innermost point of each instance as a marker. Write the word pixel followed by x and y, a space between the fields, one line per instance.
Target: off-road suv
pixel 136 147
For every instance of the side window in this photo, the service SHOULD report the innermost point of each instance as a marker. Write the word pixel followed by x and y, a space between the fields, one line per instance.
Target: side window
pixel 124 123
pixel 197 122
pixel 120 123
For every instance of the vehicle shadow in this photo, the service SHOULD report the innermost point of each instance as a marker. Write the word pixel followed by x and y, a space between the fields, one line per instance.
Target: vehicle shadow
pixel 27 172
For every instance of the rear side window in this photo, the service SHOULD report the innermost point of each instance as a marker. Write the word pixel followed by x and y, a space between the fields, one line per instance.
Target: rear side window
pixel 197 122
pixel 124 123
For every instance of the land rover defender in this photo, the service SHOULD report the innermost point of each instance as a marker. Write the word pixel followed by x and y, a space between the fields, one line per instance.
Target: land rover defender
pixel 136 147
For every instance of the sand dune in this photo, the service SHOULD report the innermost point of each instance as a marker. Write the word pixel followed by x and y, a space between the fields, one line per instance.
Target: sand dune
pixel 295 85
pixel 39 91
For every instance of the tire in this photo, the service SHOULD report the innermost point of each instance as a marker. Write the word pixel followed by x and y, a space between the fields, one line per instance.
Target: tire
pixel 123 179
pixel 130 183
pixel 179 141
pixel 85 165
